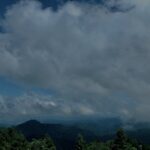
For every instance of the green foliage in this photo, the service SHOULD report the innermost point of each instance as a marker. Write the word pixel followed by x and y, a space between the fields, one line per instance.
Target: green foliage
pixel 97 146
pixel 146 147
pixel 121 138
pixel 42 144
pixel 80 144
pixel 122 142
pixel 10 139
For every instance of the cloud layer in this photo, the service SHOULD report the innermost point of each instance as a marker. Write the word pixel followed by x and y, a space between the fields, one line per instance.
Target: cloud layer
pixel 95 61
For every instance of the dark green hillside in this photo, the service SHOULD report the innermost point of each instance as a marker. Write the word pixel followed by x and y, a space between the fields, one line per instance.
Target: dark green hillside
pixel 33 135
pixel 11 139
pixel 64 136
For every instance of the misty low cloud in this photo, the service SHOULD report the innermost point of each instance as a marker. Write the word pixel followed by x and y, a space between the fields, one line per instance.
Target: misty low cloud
pixel 96 61
pixel 33 105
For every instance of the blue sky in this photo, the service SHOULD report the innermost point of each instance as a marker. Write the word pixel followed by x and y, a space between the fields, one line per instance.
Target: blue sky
pixel 7 87
pixel 85 59
pixel 4 4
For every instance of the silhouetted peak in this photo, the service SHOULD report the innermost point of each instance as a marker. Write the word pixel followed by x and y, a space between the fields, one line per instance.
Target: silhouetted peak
pixel 31 122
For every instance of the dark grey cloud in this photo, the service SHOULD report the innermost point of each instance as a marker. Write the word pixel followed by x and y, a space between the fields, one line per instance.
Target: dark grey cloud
pixel 96 61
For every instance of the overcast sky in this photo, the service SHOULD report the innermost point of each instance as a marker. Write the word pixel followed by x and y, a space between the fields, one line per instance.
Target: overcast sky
pixel 79 60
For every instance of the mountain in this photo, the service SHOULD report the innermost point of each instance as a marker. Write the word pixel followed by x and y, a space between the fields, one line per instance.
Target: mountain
pixel 140 131
pixel 102 126
pixel 64 136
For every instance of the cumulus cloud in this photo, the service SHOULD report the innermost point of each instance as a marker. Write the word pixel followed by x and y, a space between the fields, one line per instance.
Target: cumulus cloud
pixel 95 60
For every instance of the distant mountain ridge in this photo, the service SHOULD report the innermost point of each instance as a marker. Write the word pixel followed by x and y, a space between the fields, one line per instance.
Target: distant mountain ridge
pixel 64 135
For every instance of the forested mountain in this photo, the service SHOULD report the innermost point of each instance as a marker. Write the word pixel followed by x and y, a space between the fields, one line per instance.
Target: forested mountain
pixel 34 135
pixel 64 135
pixel 11 139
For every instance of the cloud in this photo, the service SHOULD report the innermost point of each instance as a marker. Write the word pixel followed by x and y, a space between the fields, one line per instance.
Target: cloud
pixel 96 61
pixel 33 105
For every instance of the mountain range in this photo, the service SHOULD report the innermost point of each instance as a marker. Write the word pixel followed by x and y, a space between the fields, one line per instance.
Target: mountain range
pixel 64 135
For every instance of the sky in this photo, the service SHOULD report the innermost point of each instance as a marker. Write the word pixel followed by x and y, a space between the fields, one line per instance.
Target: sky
pixel 69 59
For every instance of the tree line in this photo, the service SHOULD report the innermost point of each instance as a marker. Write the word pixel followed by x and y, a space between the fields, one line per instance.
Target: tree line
pixel 11 139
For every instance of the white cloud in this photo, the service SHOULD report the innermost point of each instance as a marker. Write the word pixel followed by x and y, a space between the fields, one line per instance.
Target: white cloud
pixel 32 105
pixel 86 54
